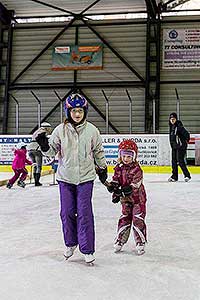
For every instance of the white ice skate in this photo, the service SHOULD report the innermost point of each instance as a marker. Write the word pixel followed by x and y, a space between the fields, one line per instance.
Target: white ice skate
pixel 118 247
pixel 140 249
pixel 69 251
pixel 89 259
pixel 187 179
pixel 172 179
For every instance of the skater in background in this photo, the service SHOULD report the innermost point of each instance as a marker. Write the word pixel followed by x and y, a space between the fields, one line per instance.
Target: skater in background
pixel 79 147
pixel 18 166
pixel 35 152
pixel 179 138
pixel 127 187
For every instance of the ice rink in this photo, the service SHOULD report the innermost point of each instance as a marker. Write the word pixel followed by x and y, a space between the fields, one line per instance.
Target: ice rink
pixel 31 246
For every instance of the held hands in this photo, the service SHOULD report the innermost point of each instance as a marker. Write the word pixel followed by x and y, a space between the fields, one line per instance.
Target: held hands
pixel 122 194
pixel 42 140
pixel 112 186
pixel 34 164
pixel 115 198
pixel 119 192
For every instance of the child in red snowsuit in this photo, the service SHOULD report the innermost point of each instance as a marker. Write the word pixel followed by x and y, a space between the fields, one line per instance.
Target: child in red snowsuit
pixel 127 187
pixel 18 166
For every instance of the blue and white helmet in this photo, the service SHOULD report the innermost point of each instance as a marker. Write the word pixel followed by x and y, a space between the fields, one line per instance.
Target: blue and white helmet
pixel 75 101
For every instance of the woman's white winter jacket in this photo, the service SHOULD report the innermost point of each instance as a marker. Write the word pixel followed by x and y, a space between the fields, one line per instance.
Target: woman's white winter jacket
pixel 79 149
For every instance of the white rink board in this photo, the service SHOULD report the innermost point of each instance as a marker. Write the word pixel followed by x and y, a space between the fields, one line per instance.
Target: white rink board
pixel 153 149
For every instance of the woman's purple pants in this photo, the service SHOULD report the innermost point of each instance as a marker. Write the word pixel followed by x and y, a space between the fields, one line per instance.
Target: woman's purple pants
pixel 77 215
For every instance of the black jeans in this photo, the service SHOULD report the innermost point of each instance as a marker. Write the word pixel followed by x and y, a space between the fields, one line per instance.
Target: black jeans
pixel 178 158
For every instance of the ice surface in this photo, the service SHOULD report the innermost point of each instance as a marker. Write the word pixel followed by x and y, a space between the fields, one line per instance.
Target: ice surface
pixel 32 265
pixel 6 175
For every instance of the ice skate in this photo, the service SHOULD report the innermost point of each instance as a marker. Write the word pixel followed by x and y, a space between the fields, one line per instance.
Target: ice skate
pixel 37 179
pixel 89 259
pixel 186 179
pixel 38 184
pixel 140 249
pixel 171 179
pixel 9 185
pixel 118 247
pixel 21 183
pixel 69 252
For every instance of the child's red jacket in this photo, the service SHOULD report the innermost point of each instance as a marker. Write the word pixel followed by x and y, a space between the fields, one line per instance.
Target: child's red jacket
pixel 131 174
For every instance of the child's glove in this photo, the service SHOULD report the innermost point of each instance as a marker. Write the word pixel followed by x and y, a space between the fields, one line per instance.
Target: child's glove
pixel 115 198
pixel 42 140
pixel 126 190
pixel 112 186
pixel 117 195
pixel 102 173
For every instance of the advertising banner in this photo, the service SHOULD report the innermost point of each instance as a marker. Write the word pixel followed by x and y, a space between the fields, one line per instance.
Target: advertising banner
pixel 7 145
pixel 153 149
pixel 181 48
pixel 77 57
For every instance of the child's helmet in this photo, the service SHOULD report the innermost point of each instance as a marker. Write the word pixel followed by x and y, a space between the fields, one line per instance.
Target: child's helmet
pixel 75 101
pixel 128 145
pixel 21 145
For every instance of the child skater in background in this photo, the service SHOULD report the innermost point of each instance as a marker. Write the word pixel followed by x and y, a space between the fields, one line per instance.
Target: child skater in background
pixel 127 187
pixel 18 166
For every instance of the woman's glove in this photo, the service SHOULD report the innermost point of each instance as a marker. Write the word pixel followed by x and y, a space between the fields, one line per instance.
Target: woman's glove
pixel 42 140
pixel 102 173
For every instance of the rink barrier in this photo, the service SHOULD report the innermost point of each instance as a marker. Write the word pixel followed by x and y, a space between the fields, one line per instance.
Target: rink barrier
pixel 8 168
pixel 47 170
pixel 153 150
pixel 162 169
pixel 147 169
pixel 44 172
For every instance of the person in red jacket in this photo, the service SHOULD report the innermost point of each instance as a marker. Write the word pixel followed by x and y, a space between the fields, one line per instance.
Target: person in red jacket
pixel 127 187
pixel 18 166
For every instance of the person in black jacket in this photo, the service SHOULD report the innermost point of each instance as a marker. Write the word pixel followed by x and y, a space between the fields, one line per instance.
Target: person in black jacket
pixel 179 137
pixel 35 152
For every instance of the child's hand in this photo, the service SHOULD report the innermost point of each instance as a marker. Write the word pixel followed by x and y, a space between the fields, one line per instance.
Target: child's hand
pixel 34 165
pixel 112 186
pixel 127 190
pixel 115 198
